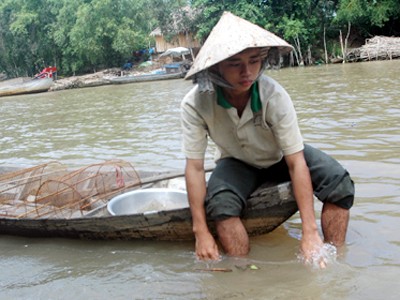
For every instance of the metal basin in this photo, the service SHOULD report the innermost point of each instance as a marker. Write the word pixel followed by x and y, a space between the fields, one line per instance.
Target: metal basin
pixel 147 201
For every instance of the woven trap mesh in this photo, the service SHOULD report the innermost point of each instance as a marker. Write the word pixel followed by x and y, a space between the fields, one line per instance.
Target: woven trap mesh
pixel 50 191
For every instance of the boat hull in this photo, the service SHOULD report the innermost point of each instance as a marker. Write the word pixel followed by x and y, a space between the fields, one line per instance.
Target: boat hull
pixel 145 78
pixel 25 86
pixel 267 208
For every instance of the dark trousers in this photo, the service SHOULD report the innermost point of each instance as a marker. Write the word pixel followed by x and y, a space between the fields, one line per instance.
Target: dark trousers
pixel 232 182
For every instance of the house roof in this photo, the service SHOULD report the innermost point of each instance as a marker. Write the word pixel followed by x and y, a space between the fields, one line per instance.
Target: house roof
pixel 156 32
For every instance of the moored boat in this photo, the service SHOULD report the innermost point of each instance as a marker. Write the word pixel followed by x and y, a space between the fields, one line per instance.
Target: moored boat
pixel 24 85
pixel 144 78
pixel 50 201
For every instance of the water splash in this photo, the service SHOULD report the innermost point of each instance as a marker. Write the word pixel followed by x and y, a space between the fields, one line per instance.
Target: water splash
pixel 326 255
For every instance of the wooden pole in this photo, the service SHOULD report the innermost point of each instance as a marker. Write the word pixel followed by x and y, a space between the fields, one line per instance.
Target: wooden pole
pixel 326 51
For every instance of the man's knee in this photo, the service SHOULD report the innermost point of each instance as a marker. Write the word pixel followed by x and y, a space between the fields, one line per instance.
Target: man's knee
pixel 343 194
pixel 331 182
pixel 223 205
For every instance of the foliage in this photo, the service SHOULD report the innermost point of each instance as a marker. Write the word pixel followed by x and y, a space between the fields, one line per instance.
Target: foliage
pixel 24 39
pixel 367 14
pixel 84 35
pixel 76 35
pixel 211 11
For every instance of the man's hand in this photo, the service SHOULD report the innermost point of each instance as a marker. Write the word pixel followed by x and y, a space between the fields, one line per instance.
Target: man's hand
pixel 311 243
pixel 206 247
pixel 311 248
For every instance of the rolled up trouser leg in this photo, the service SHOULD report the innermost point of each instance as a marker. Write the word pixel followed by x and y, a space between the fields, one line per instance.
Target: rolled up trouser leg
pixel 331 182
pixel 230 184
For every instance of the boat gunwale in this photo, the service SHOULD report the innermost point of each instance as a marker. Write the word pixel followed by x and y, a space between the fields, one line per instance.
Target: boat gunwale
pixel 260 217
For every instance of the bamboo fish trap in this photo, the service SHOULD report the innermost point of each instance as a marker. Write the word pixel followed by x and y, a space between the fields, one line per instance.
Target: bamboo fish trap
pixel 51 191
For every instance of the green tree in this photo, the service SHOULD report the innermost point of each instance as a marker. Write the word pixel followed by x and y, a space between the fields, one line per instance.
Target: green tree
pixel 365 16
pixel 296 21
pixel 76 35
pixel 84 35
pixel 367 13
pixel 25 44
pixel 99 33
pixel 293 29
pixel 302 23
pixel 209 12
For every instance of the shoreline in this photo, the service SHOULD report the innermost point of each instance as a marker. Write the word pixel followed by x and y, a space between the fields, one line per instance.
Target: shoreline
pixel 98 78
pixel 103 77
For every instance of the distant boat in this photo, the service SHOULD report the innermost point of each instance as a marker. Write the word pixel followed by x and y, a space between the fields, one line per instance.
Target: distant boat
pixel 24 85
pixel 144 78
pixel 172 71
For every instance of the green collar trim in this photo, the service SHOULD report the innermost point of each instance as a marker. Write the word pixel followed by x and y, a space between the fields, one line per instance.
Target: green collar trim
pixel 255 98
pixel 221 99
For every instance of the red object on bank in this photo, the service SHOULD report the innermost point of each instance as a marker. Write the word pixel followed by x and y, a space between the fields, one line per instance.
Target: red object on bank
pixel 48 72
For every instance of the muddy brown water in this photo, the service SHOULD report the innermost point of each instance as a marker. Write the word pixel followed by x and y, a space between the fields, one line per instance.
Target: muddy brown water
pixel 350 111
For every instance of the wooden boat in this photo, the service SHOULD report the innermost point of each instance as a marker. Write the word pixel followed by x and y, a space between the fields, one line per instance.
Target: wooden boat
pixel 24 85
pixel 50 201
pixel 144 78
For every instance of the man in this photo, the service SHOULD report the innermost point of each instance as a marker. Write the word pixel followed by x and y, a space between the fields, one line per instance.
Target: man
pixel 252 121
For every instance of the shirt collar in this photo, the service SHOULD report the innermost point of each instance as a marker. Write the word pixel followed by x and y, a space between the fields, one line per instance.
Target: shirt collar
pixel 255 98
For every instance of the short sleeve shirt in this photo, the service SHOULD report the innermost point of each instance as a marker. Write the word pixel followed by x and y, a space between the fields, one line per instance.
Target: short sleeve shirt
pixel 260 137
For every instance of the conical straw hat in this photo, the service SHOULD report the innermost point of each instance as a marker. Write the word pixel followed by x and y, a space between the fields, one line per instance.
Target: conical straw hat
pixel 231 36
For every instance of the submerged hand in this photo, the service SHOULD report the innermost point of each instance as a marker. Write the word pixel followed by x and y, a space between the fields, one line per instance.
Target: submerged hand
pixel 311 247
pixel 206 247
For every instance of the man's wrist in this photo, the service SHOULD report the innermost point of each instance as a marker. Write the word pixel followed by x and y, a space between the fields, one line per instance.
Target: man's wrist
pixel 310 229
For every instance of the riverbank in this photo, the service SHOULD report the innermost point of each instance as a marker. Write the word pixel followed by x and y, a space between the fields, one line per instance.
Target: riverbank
pixel 100 78
pixel 89 80
pixel 377 48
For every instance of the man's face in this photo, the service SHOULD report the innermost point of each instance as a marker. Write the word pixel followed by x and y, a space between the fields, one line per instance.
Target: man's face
pixel 242 69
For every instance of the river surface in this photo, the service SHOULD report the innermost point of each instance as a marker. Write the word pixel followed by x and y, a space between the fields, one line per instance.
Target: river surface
pixel 350 111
